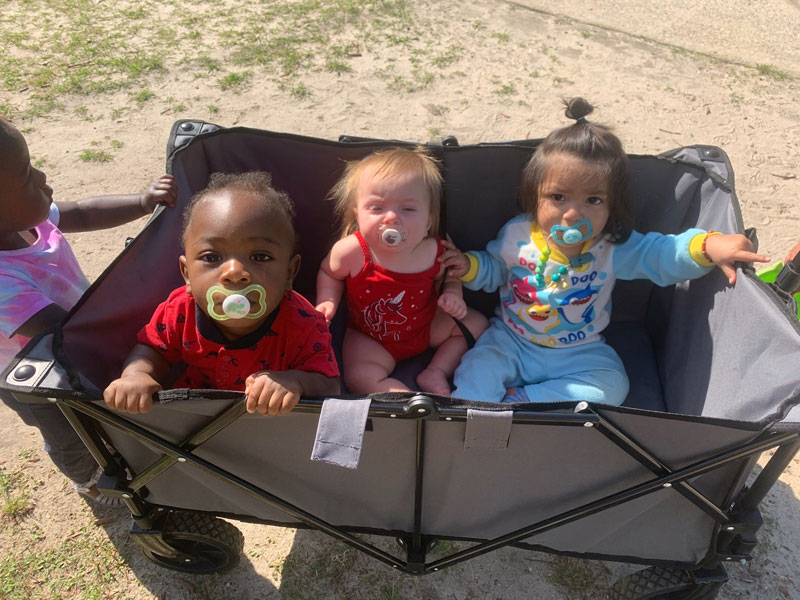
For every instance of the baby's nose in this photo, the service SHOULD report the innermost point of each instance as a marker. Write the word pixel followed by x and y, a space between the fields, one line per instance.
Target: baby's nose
pixel 572 215
pixel 234 271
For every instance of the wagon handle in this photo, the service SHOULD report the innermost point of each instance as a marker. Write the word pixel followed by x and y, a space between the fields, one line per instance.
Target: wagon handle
pixel 788 279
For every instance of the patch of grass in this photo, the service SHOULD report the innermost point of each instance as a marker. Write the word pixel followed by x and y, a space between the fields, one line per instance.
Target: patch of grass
pixel 84 565
pixel 338 66
pixel 143 96
pixel 208 63
pixel 506 89
pixel 448 57
pixel 6 110
pixel 501 37
pixel 300 91
pixel 234 81
pixel 213 109
pixel 91 155
pixel 14 496
pixel 772 72
pixel 134 13
pixel 574 575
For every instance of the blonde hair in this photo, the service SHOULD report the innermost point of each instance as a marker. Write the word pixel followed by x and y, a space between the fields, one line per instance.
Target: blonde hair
pixel 387 163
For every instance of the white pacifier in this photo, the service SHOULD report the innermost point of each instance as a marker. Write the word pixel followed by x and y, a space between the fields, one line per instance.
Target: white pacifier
pixel 392 235
pixel 567 236
pixel 236 304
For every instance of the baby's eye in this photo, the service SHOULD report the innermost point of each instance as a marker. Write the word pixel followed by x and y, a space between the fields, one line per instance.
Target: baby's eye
pixel 557 197
pixel 594 200
pixel 210 258
pixel 410 209
pixel 260 257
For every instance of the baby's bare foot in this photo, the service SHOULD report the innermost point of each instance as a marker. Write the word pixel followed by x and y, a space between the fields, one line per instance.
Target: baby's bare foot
pixel 434 380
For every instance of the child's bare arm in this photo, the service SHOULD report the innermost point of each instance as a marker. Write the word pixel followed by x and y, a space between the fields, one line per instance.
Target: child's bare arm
pixel 133 391
pixel 101 212
pixel 725 250
pixel 451 298
pixel 332 272
pixel 278 392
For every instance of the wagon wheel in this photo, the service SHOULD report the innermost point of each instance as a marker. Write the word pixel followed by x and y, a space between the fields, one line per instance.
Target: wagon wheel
pixel 202 544
pixel 659 583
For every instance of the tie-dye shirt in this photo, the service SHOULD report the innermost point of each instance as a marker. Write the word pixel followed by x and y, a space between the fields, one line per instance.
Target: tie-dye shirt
pixel 32 278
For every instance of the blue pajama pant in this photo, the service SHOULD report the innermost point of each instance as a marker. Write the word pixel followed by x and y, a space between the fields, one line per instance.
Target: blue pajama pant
pixel 62 444
pixel 503 359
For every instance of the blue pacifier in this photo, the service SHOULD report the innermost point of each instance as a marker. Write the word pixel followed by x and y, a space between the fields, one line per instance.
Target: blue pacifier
pixel 568 236
pixel 236 305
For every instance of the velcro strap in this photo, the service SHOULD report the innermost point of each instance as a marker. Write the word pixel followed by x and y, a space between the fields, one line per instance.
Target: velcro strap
pixel 487 429
pixel 340 432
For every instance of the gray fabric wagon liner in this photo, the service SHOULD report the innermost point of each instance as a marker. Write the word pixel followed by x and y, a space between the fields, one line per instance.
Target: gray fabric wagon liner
pixel 712 368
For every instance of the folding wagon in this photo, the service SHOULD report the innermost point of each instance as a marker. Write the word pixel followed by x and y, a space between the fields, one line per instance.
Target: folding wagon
pixel 668 480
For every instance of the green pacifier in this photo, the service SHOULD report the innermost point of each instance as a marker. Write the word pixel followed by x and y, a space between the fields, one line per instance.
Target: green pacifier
pixel 236 305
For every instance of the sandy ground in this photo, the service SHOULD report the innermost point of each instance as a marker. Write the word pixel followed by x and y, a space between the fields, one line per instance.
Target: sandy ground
pixel 663 74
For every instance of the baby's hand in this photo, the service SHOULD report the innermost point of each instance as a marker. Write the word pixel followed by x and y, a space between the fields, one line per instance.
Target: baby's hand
pixel 453 305
pixel 453 259
pixel 162 189
pixel 726 249
pixel 272 392
pixel 327 308
pixel 132 393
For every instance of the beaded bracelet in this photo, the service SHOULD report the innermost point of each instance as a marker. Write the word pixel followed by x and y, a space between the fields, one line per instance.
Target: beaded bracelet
pixel 703 247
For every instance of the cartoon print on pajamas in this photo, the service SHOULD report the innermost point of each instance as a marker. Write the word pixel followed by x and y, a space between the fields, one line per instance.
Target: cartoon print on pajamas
pixel 577 312
pixel 536 307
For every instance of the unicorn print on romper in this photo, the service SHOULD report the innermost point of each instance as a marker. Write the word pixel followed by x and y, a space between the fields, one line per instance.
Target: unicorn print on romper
pixel 383 317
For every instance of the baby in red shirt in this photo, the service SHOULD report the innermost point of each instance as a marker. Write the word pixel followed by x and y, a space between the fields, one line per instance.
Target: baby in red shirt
pixel 388 262
pixel 236 324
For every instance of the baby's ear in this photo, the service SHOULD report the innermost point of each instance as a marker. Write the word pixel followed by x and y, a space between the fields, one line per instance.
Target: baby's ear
pixel 184 272
pixel 292 270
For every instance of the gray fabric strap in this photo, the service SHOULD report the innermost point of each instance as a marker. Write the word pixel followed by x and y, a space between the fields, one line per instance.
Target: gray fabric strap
pixel 487 430
pixel 340 432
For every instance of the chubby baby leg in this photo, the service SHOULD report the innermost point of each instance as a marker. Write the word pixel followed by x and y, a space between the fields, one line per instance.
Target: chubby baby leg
pixel 451 345
pixel 366 365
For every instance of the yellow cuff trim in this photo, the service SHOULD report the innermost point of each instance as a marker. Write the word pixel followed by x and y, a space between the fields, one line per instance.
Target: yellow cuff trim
pixel 473 268
pixel 696 250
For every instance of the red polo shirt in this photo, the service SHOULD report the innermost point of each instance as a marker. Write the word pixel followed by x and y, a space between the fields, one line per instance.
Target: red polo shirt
pixel 294 336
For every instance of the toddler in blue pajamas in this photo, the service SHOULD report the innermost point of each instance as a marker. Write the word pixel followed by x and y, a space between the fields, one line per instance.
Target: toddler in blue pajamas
pixel 555 266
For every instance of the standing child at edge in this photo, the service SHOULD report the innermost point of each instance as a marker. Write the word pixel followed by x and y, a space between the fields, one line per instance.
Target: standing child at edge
pixel 387 261
pixel 556 264
pixel 237 324
pixel 40 280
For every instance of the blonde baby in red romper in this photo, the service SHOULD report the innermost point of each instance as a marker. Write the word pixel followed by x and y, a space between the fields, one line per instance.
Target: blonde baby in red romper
pixel 388 263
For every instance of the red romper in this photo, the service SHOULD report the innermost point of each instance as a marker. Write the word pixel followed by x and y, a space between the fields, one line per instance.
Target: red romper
pixel 395 309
